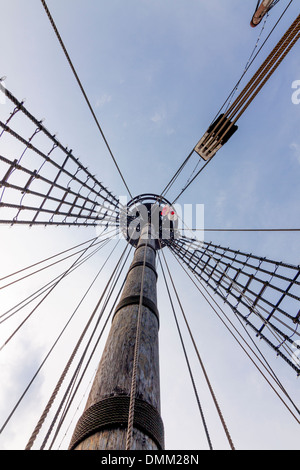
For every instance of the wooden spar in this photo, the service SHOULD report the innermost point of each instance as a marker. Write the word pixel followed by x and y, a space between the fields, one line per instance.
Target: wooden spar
pixel 261 11
pixel 104 423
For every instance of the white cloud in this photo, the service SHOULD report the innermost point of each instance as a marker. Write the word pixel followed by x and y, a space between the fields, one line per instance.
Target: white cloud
pixel 104 99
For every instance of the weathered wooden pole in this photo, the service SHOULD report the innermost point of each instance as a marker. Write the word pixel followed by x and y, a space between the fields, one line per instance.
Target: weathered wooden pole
pixel 104 423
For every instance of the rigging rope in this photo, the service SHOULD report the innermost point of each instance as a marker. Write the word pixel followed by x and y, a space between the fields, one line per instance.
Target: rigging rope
pixel 80 363
pixel 253 88
pixel 46 259
pixel 187 361
pixel 200 361
pixel 49 265
pixel 269 370
pixel 83 91
pixel 94 348
pixel 129 436
pixel 50 284
pixel 52 347
pixel 256 83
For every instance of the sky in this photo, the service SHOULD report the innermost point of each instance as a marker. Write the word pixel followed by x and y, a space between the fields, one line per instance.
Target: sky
pixel 156 74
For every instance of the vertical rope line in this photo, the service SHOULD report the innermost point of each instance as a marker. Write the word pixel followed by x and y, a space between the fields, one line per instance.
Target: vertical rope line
pixel 187 361
pixel 53 396
pixel 135 359
pixel 201 362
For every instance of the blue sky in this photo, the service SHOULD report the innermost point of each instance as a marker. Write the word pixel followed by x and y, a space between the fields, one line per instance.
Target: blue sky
pixel 156 74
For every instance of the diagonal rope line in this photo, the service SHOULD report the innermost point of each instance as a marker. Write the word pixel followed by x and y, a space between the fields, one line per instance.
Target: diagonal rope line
pixel 70 389
pixel 46 287
pixel 243 96
pixel 263 362
pixel 129 436
pixel 82 90
pixel 52 347
pixel 62 377
pixel 53 286
pixel 200 361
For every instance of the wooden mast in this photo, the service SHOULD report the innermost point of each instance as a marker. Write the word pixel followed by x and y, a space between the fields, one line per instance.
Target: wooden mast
pixel 104 423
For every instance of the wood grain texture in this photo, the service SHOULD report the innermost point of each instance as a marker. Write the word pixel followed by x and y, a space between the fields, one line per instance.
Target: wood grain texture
pixel 114 373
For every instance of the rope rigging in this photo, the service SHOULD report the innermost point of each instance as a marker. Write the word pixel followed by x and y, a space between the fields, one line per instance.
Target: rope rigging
pixel 63 375
pixel 215 306
pixel 67 192
pixel 83 91
pixel 49 265
pixel 55 343
pixel 240 281
pixel 52 187
pixel 225 124
pixel 48 291
pixel 92 353
pixel 198 356
pixel 189 367
pixel 129 436
pixel 69 392
pixel 46 287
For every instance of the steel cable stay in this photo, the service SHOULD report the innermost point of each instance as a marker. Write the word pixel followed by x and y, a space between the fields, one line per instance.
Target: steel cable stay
pixel 56 342
pixel 72 356
pixel 73 387
pixel 48 292
pixel 257 357
pixel 46 287
pixel 187 362
pixel 219 412
pixel 83 91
